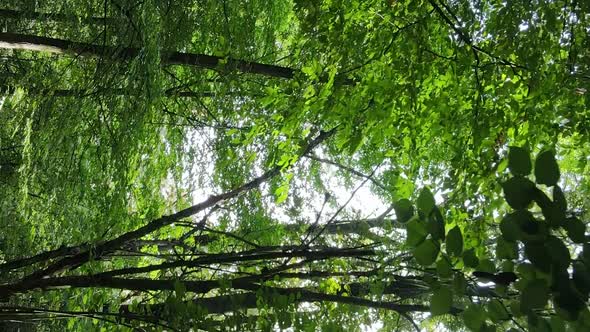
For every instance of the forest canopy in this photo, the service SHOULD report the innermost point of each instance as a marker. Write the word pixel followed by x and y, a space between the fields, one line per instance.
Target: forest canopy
pixel 297 165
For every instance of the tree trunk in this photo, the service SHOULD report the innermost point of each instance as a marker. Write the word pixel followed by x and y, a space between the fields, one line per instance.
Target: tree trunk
pixel 53 45
pixel 57 17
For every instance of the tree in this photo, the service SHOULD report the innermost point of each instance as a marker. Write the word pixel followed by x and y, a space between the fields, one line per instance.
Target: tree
pixel 313 165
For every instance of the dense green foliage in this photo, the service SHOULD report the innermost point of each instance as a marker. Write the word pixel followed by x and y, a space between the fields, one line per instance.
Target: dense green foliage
pixel 336 165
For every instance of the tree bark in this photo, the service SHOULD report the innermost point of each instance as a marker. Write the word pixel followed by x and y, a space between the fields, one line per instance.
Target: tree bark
pixel 60 46
pixel 53 45
pixel 57 17
pixel 104 91
pixel 227 303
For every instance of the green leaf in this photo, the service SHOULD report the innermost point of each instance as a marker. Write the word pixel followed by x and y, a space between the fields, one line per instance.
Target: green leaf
pixel 496 311
pixel 506 249
pixel 354 142
pixel 487 328
pixel 519 161
pixel 441 301
pixel 586 253
pixel 576 230
pixel 581 278
pixel 534 296
pixel 436 224
pixel 474 317
pixel 559 199
pixel 526 271
pixel 546 169
pixel 459 283
pixel 554 212
pixel 569 304
pixel 558 252
pixel 515 309
pixel 518 192
pixel 426 252
pixel 538 324
pixel 443 268
pixel 510 227
pixel 533 230
pixel 454 242
pixel 403 210
pixel 470 259
pixel 179 289
pixel 416 232
pixel 486 265
pixel 425 201
pixel 557 324
pixel 538 255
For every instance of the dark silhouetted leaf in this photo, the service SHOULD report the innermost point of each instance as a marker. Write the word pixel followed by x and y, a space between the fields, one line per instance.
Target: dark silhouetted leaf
pixel 436 224
pixel 534 296
pixel 518 192
pixel 511 225
pixel 538 255
pixel 558 252
pixel 559 199
pixel 546 169
pixel 454 242
pixel 519 161
pixel 403 210
pixel 576 230
pixel 506 249
pixel 569 303
pixel 470 259
pixel 581 279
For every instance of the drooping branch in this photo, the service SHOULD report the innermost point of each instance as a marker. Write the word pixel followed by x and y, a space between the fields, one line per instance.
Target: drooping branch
pixel 108 246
